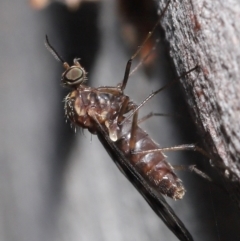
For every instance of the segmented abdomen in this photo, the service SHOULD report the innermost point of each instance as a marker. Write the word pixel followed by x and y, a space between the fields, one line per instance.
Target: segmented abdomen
pixel 153 166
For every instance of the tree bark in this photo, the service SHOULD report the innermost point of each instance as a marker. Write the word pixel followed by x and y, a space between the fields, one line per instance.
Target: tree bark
pixel 207 34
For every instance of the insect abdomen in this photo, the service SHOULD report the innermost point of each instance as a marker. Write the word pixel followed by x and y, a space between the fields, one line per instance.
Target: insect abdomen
pixel 152 166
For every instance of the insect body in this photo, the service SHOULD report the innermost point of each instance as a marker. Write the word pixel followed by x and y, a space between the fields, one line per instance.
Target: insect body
pixel 103 112
pixel 98 110
pixel 90 107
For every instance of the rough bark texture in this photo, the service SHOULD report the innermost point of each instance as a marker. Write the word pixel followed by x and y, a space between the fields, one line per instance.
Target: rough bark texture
pixel 207 33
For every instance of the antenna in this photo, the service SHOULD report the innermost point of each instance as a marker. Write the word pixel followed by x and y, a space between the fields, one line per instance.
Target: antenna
pixel 55 53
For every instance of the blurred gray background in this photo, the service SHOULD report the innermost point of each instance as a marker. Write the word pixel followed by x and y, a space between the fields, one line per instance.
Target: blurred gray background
pixel 56 184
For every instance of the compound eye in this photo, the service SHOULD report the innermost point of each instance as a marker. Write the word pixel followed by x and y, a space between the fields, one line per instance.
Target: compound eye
pixel 74 74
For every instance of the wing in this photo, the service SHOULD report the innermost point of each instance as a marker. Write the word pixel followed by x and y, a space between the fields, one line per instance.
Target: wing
pixel 154 198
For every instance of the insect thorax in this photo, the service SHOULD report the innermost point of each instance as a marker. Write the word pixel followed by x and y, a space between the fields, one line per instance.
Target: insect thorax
pixel 84 102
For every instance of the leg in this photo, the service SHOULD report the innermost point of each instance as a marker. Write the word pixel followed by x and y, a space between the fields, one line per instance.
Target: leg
pixel 192 168
pixel 159 90
pixel 132 141
pixel 123 109
pixel 151 114
pixel 129 63
pixel 145 57
pixel 184 147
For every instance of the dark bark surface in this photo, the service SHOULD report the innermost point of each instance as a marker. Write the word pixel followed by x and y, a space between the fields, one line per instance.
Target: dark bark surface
pixel 207 33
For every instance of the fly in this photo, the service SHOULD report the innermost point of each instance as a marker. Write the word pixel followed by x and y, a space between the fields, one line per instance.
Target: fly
pixel 103 112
